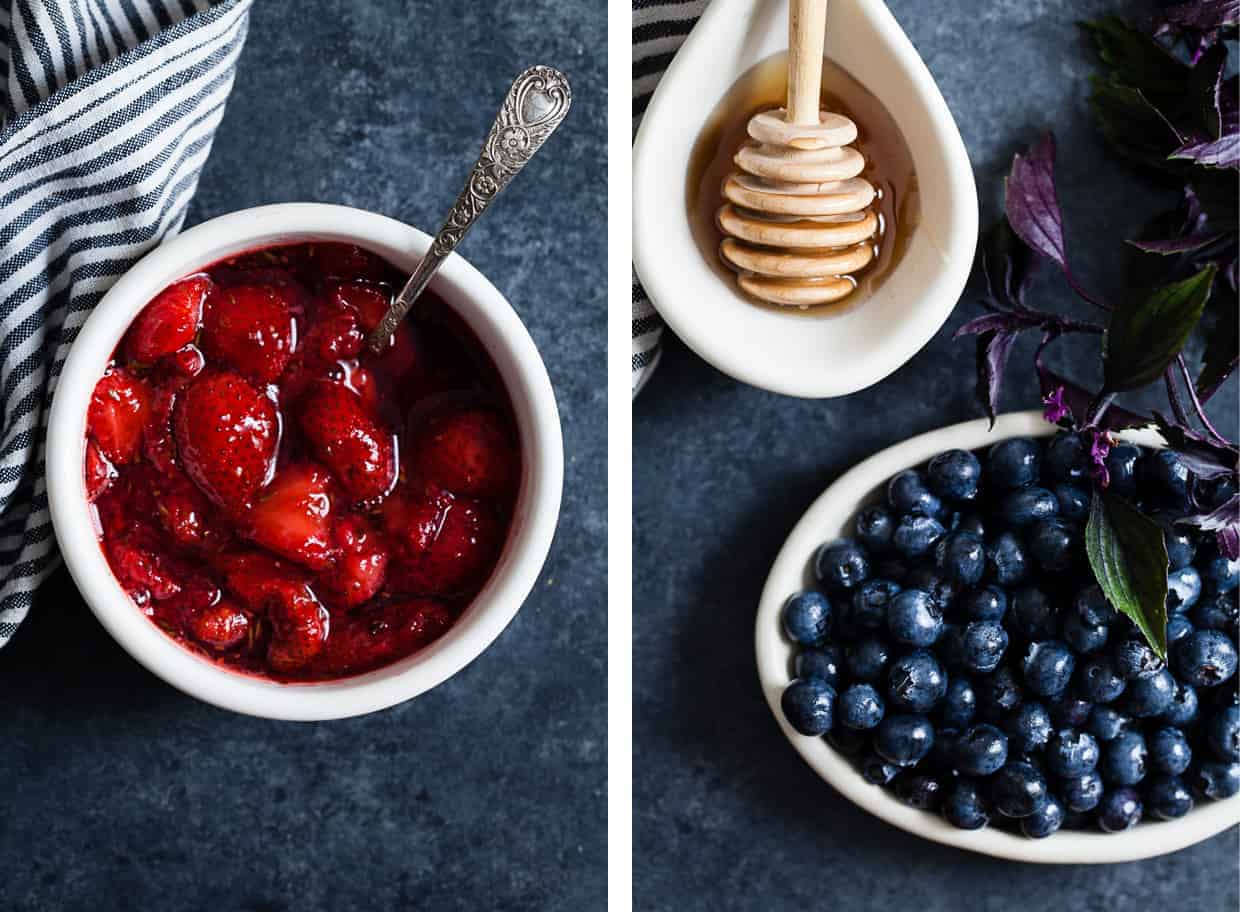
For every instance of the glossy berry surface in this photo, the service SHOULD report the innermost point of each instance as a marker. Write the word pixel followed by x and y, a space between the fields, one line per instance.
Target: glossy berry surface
pixel 809 706
pixel 244 462
pixel 807 618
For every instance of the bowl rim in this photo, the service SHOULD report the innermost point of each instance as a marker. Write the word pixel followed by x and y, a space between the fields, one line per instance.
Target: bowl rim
pixel 693 324
pixel 825 519
pixel 475 299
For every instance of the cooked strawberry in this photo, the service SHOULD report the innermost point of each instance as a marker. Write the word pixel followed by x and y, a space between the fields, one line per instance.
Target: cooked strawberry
pixel 117 414
pixel 99 472
pixel 282 594
pixel 157 442
pixel 140 566
pixel 250 328
pixel 349 440
pixel 467 451
pixel 333 338
pixel 370 303
pixel 363 382
pixel 448 545
pixel 221 626
pixel 169 322
pixel 183 510
pixel 292 517
pixel 226 435
pixel 188 361
pixel 383 634
pixel 358 573
pixel 348 261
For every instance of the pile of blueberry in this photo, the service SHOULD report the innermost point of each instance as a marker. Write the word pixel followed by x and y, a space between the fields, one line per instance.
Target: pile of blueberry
pixel 960 651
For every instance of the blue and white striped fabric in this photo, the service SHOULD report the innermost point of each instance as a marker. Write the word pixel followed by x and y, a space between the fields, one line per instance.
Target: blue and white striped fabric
pixel 107 112
pixel 659 29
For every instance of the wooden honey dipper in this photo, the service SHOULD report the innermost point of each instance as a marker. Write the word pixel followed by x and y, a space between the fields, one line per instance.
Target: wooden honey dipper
pixel 797 214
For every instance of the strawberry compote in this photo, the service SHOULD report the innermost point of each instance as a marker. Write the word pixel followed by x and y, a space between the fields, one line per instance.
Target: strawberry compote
pixel 274 496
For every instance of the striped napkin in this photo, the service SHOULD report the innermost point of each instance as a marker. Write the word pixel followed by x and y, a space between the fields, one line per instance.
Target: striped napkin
pixel 107 112
pixel 659 29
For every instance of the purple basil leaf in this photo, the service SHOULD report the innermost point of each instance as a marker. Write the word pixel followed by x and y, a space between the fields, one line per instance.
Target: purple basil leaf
pixel 1186 244
pixel 1008 265
pixel 1202 456
pixel 1223 152
pixel 1202 15
pixel 1032 204
pixel 993 350
pixel 1076 398
pixel 994 322
pixel 1224 522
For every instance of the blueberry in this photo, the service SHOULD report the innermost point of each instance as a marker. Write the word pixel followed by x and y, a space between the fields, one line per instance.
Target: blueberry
pixel 877 771
pixel 1223 733
pixel 842 564
pixel 1169 751
pixel 961 556
pixel 941 590
pixel 1119 809
pixel 1204 658
pixel 1219 611
pixel 1092 607
pixel 1168 797
pixel 998 693
pixel 1082 793
pixel 1018 790
pixel 1178 627
pixel 848 742
pixel 874 528
pixel 907 493
pixel 1073 501
pixel 870 601
pixel 866 660
pixel 965 806
pixel 971 522
pixel 1181 545
pixel 904 739
pixel 942 756
pixel 859 707
pixel 807 618
pixel 1124 759
pixel 1164 478
pixel 1054 544
pixel 1031 615
pixel 1067 457
pixel 981 750
pixel 1013 463
pixel 1045 820
pixel 1215 492
pixel 1134 659
pixel 1152 696
pixel 1083 638
pixel 915 535
pixel 1184 705
pixel 913 618
pixel 1006 560
pixel 1122 469
pixel 1097 681
pixel 981 646
pixel 809 706
pixel 1107 724
pixel 920 791
pixel 959 704
pixel 916 682
pixel 989 603
pixel 1028 728
pixel 1068 710
pixel 823 663
pixel 1071 753
pixel 1221 574
pixel 1048 667
pixel 955 475
pixel 1183 589
pixel 1028 505
pixel 1217 779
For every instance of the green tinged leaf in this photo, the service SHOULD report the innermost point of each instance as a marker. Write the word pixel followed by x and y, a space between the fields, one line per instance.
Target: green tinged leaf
pixel 1144 336
pixel 1129 558
pixel 1138 61
pixel 1222 344
pixel 1134 127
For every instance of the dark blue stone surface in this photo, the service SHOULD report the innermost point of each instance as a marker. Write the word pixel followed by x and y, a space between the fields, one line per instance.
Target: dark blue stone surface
pixel 726 815
pixel 117 791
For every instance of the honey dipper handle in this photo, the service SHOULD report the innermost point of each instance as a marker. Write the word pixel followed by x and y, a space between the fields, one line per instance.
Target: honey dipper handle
pixel 807 33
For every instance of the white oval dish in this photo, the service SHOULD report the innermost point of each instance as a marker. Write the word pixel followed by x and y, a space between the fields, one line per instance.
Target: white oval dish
pixel 500 332
pixel 791 352
pixel 829 517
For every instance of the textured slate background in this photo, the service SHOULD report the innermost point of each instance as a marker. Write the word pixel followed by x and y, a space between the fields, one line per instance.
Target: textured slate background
pixel 726 815
pixel 118 792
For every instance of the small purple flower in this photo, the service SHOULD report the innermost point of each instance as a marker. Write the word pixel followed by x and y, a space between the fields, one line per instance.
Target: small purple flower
pixel 1099 449
pixel 1056 406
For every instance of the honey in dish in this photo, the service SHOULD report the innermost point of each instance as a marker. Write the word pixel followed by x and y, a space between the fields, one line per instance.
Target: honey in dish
pixel 888 166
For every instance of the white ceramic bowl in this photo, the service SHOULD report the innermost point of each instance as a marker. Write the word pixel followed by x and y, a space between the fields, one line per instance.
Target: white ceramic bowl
pixel 830 517
pixel 500 332
pixel 791 352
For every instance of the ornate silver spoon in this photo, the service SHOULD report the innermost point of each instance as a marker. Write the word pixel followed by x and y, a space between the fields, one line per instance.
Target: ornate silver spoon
pixel 535 105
